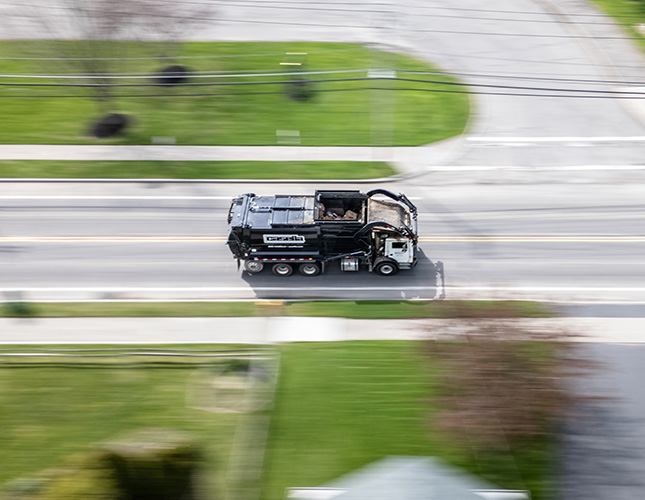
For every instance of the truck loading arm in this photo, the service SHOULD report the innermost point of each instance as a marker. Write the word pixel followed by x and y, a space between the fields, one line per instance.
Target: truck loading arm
pixel 396 197
pixel 358 237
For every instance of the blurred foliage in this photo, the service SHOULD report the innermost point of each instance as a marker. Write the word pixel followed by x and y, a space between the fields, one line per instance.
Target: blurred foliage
pixel 338 407
pixel 153 464
pixel 57 408
pixel 195 169
pixel 239 115
pixel 502 387
pixel 17 309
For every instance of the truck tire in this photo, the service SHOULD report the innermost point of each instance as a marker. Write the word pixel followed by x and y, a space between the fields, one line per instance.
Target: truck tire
pixel 386 267
pixel 253 266
pixel 309 269
pixel 282 269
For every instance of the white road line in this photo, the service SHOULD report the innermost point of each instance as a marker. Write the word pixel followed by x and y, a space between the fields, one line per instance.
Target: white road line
pixel 559 139
pixel 205 289
pixel 518 168
pixel 101 197
pixel 90 197
pixel 336 288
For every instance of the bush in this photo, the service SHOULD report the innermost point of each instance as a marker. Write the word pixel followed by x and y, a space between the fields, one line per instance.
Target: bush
pixel 300 90
pixel 154 464
pixel 173 75
pixel 109 125
pixel 18 309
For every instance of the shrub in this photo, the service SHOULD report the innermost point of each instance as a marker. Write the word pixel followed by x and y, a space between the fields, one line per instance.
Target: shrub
pixel 109 125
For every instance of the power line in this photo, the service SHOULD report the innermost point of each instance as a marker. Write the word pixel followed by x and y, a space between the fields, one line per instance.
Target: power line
pixel 326 72
pixel 322 25
pixel 300 3
pixel 215 75
pixel 561 63
pixel 509 94
pixel 214 56
pixel 572 92
pixel 498 11
pixel 300 7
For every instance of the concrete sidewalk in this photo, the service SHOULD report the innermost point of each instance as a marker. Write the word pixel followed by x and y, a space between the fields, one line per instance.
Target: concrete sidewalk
pixel 408 159
pixel 282 329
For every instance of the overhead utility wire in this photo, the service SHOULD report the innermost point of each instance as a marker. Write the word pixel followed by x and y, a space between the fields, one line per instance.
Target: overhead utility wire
pixel 322 25
pixel 416 14
pixel 213 56
pixel 261 3
pixel 522 12
pixel 516 60
pixel 334 80
pixel 453 32
pixel 300 7
pixel 510 94
pixel 147 76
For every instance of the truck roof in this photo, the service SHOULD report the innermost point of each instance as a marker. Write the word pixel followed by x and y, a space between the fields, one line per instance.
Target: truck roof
pixel 271 211
pixel 266 212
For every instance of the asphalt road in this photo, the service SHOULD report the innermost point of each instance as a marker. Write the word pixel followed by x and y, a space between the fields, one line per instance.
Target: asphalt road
pixel 564 241
pixel 558 238
pixel 603 446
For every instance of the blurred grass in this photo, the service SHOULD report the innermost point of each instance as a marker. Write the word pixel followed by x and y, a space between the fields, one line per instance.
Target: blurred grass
pixel 342 406
pixel 53 410
pixel 339 406
pixel 368 309
pixel 626 13
pixel 356 117
pixel 195 169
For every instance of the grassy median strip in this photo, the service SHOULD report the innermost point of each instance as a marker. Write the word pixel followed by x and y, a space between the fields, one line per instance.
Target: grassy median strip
pixel 369 309
pixel 349 107
pixel 195 169
pixel 338 406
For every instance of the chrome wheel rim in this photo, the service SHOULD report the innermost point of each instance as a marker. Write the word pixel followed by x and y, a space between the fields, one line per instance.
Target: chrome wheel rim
pixel 309 269
pixel 254 266
pixel 386 269
pixel 282 269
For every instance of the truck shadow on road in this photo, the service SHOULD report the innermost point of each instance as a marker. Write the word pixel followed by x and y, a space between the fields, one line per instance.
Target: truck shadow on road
pixel 425 281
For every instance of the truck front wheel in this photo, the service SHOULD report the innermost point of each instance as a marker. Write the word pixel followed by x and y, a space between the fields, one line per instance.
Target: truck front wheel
pixel 282 269
pixel 310 269
pixel 253 266
pixel 386 267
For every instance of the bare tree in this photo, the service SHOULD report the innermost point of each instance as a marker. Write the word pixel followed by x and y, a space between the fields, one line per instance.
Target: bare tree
pixel 504 384
pixel 100 39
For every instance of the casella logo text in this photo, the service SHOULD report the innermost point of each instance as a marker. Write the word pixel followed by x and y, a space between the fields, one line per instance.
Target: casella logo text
pixel 289 239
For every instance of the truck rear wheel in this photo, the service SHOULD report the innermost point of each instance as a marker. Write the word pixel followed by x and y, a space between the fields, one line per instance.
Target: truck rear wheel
pixel 253 266
pixel 282 269
pixel 309 269
pixel 386 267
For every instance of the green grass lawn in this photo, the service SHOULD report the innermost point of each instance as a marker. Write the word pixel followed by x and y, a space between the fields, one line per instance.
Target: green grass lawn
pixel 338 114
pixel 626 13
pixel 368 309
pixel 338 406
pixel 53 410
pixel 195 169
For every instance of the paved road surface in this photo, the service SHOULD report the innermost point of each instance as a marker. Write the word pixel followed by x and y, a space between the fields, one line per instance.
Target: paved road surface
pixel 603 446
pixel 548 241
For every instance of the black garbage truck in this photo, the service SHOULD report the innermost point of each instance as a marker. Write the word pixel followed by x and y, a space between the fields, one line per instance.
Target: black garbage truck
pixel 376 230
